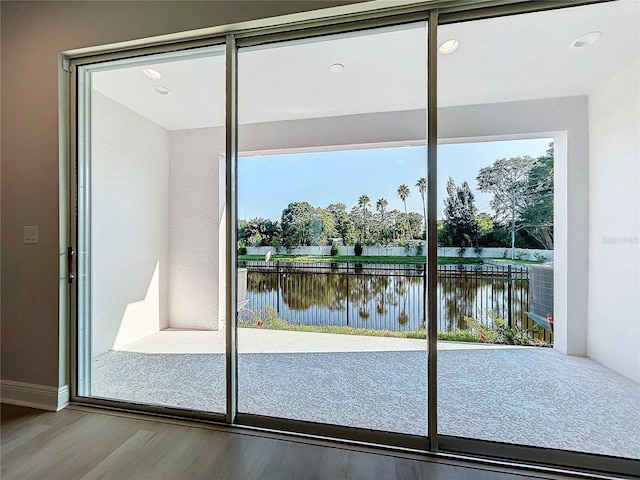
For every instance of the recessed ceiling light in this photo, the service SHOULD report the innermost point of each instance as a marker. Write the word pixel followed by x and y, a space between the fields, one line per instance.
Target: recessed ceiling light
pixel 586 39
pixel 151 73
pixel 161 90
pixel 336 68
pixel 449 46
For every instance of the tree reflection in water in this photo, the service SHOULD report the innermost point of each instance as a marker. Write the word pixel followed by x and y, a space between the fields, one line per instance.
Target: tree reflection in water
pixel 384 296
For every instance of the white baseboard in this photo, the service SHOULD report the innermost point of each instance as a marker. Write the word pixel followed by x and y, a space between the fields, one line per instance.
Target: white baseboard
pixel 35 396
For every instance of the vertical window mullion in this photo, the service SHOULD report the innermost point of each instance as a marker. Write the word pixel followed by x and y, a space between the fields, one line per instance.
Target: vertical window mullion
pixel 432 233
pixel 231 170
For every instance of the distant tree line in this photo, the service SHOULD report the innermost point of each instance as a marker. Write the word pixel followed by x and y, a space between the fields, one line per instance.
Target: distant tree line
pixel 302 224
pixel 522 205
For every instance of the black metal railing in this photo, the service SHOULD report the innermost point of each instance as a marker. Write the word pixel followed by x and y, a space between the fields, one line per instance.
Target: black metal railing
pixel 391 297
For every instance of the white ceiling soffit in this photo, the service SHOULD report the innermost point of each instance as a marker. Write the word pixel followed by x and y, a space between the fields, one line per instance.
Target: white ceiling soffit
pixel 525 57
pixel 503 59
pixel 196 96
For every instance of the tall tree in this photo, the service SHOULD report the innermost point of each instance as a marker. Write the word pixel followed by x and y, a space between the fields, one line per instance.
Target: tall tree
pixel 342 223
pixel 296 224
pixel 508 180
pixel 460 215
pixel 415 225
pixel 381 207
pixel 537 219
pixel 363 202
pixel 403 192
pixel 422 188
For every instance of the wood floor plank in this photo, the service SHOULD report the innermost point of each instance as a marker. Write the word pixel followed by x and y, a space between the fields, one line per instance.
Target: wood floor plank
pixel 125 457
pixel 198 455
pixel 250 457
pixel 373 467
pixel 16 418
pixel 334 463
pixel 289 460
pixel 68 452
pixel 87 445
pixel 26 433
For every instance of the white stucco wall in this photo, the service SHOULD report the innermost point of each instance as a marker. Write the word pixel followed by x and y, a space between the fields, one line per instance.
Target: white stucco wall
pixel 156 226
pixel 196 231
pixel 614 227
pixel 130 225
pixel 565 119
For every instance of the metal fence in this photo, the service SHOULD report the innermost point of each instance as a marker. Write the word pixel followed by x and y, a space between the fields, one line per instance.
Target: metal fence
pixel 391 297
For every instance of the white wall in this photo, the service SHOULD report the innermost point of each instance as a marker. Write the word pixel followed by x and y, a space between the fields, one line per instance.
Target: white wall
pixel 614 227
pixel 156 226
pixel 565 119
pixel 195 227
pixel 130 225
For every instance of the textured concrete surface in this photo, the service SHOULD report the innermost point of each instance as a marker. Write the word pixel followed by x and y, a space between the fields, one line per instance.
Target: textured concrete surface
pixel 532 396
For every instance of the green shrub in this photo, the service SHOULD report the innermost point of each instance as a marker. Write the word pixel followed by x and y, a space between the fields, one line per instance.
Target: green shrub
pixel 520 254
pixel 499 332
pixel 275 243
pixel 539 257
pixel 242 248
pixel 459 336
pixel 335 250
pixel 504 253
pixel 357 249
pixel 265 318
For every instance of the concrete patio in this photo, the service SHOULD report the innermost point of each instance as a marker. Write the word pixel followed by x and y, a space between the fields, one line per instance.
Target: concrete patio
pixel 522 395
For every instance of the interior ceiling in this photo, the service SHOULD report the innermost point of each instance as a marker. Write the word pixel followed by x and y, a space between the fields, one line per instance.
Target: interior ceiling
pixel 503 59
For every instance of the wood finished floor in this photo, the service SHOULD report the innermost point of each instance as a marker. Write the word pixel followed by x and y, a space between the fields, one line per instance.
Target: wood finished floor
pixel 88 444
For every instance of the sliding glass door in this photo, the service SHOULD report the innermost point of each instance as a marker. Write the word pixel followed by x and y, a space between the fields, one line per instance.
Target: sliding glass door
pixel 262 232
pixel 151 230
pixel 522 118
pixel 332 183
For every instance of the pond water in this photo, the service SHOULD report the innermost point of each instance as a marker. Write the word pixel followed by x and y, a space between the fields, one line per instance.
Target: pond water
pixel 388 297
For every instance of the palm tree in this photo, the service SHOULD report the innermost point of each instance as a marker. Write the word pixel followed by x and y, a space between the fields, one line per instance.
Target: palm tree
pixel 381 206
pixel 422 187
pixel 363 202
pixel 403 192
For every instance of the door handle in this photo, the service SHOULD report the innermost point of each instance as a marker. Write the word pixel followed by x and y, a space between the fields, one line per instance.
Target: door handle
pixel 70 273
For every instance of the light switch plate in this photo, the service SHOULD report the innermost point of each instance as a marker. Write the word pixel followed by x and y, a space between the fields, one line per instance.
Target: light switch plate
pixel 31 234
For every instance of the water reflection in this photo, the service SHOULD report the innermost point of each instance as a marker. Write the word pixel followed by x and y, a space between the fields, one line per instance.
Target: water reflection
pixel 386 296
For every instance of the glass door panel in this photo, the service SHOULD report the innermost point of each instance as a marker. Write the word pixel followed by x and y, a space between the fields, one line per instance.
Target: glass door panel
pixel 545 358
pixel 151 230
pixel 331 203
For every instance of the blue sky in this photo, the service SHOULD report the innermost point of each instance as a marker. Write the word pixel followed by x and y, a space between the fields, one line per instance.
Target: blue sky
pixel 267 184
